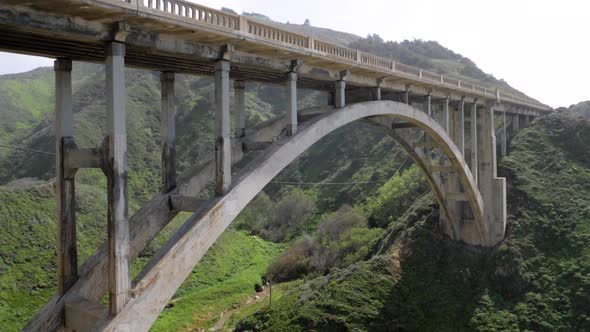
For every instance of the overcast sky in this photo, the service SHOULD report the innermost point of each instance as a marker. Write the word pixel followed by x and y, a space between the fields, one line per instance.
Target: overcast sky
pixel 538 46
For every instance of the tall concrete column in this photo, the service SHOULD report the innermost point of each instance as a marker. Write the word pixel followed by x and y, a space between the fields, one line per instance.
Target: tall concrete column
pixel 503 146
pixel 291 103
pixel 460 127
pixel 376 93
pixel 406 97
pixel 240 107
pixel 340 94
pixel 67 252
pixel 428 104
pixel 515 124
pixel 492 188
pixel 222 128
pixel 457 131
pixel 116 170
pixel 445 116
pixel 527 120
pixel 474 152
pixel 168 131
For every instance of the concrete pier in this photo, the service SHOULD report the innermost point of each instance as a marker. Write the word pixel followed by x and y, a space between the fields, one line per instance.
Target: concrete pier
pixel 460 127
pixel 168 131
pixel 116 170
pixel 504 142
pixel 222 128
pixel 291 103
pixel 67 253
pixel 240 107
pixel 340 94
pixel 492 188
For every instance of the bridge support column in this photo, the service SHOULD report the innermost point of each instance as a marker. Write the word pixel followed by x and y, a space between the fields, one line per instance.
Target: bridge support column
pixel 376 93
pixel 504 135
pixel 222 128
pixel 67 252
pixel 450 121
pixel 474 143
pixel 291 103
pixel 340 94
pixel 445 116
pixel 515 124
pixel 116 172
pixel 168 131
pixel 492 188
pixel 240 107
pixel 527 120
pixel 459 130
pixel 428 104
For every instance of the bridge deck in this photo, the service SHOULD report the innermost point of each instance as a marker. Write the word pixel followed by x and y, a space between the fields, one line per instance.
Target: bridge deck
pixel 184 37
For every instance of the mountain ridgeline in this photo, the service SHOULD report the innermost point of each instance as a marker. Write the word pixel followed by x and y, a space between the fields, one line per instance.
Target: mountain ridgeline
pixel 347 234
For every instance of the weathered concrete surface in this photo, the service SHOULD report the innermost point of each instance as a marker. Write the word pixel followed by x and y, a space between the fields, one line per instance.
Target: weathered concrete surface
pixel 67 253
pixel 116 172
pixel 168 131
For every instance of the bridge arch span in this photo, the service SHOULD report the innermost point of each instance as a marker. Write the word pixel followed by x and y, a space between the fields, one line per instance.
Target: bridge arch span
pixel 172 264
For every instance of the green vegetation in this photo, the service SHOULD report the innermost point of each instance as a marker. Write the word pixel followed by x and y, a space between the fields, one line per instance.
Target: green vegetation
pixel 28 246
pixel 223 279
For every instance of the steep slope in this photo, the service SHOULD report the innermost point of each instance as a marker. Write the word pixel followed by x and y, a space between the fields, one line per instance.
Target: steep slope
pixel 537 279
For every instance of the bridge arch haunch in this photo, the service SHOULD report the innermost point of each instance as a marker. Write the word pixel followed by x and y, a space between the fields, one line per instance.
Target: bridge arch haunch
pixel 184 250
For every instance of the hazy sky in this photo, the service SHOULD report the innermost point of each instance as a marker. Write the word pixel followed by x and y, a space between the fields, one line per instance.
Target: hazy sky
pixel 538 46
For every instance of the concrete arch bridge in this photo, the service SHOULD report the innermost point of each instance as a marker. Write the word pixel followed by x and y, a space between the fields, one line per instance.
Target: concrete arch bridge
pixel 447 125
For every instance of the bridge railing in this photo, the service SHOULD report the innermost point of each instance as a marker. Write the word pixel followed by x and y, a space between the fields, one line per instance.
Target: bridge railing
pixel 334 50
pixel 275 34
pixel 229 21
pixel 192 11
pixel 430 76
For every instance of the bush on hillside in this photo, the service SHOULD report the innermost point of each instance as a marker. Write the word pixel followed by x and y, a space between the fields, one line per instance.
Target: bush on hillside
pixel 342 239
pixel 277 221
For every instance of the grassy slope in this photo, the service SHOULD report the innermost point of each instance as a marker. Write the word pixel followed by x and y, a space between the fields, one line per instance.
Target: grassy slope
pixel 25 99
pixel 223 279
pixel 537 279
pixel 28 246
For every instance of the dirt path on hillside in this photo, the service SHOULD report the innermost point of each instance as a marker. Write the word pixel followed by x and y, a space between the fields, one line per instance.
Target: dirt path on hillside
pixel 227 314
